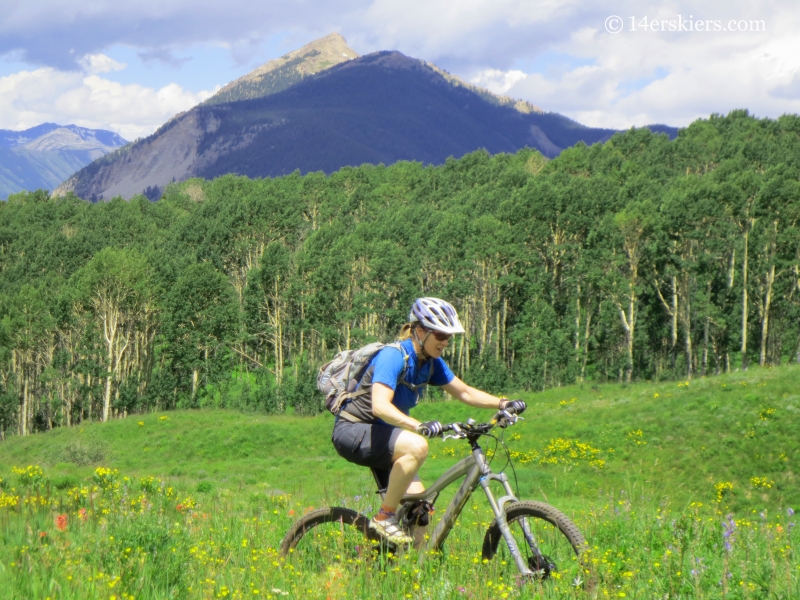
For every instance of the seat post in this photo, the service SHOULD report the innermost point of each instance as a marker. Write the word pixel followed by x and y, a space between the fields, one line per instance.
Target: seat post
pixel 381 479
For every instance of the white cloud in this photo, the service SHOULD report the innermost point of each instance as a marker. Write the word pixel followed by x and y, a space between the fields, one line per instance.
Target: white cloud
pixel 29 98
pixel 100 63
pixel 498 81
pixel 637 78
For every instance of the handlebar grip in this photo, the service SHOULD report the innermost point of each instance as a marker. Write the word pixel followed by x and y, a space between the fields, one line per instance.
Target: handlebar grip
pixel 515 407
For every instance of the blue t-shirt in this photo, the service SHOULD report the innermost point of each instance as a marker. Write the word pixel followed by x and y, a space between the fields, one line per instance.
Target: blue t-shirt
pixel 388 368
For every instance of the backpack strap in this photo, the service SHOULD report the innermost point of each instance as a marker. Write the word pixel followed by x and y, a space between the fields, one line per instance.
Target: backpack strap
pixel 398 346
pixel 413 387
pixel 346 396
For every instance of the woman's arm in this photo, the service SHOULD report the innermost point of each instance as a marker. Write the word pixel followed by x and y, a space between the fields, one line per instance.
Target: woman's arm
pixel 383 408
pixel 469 395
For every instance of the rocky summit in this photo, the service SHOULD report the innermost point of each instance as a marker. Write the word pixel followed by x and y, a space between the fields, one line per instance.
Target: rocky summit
pixel 283 72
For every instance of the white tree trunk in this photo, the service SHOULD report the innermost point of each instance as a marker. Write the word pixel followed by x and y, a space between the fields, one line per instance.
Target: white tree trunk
pixel 744 300
pixel 770 279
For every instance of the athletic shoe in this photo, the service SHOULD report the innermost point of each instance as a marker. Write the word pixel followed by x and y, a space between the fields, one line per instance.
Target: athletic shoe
pixel 389 529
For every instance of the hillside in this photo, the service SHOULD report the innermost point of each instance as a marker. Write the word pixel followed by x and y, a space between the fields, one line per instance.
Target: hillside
pixel 674 486
pixel 379 108
pixel 43 156
pixel 667 443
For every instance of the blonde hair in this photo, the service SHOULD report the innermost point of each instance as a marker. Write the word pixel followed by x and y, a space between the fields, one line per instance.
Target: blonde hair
pixel 405 331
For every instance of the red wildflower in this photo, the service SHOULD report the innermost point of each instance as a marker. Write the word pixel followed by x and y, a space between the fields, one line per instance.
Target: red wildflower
pixel 61 522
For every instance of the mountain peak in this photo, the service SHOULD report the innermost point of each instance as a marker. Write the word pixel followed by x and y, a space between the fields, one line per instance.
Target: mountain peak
pixel 281 73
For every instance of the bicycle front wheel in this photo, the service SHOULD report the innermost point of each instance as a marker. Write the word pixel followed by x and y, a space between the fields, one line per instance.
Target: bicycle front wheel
pixel 329 536
pixel 551 544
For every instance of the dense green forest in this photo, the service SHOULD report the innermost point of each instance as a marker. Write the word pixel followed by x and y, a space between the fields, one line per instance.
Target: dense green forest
pixel 641 258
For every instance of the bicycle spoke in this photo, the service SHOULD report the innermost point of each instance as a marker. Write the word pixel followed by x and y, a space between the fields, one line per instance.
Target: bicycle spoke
pixel 328 537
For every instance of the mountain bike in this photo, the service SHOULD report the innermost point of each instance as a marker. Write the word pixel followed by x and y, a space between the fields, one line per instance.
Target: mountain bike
pixel 541 541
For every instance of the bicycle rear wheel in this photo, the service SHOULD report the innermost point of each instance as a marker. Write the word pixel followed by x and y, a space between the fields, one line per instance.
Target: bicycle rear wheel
pixel 550 542
pixel 328 536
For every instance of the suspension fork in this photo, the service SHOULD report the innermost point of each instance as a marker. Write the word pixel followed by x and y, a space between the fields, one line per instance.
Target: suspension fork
pixel 498 508
pixel 526 529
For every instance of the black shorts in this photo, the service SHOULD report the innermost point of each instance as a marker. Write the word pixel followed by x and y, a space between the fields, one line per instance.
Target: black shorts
pixel 365 444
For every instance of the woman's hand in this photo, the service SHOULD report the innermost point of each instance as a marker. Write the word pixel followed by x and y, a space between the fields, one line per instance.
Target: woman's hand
pixel 517 406
pixel 429 429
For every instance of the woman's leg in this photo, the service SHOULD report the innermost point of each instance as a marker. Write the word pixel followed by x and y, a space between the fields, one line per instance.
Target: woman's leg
pixel 416 486
pixel 410 452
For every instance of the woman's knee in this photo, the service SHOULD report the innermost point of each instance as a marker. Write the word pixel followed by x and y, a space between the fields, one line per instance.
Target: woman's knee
pixel 413 445
pixel 420 450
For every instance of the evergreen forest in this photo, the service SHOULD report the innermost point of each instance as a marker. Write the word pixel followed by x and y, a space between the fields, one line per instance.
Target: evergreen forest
pixel 642 258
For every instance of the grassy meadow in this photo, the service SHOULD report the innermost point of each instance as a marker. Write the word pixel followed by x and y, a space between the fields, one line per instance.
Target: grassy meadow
pixel 682 489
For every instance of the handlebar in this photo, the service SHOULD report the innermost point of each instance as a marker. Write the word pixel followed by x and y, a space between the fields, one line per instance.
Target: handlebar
pixel 502 419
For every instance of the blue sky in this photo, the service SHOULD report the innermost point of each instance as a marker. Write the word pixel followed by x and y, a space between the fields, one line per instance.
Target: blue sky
pixel 129 67
pixel 196 67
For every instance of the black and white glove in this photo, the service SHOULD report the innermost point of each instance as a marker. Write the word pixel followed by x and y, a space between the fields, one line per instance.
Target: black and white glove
pixel 514 406
pixel 429 429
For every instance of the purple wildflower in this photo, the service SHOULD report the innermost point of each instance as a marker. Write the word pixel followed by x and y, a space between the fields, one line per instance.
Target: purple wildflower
pixel 700 567
pixel 790 511
pixel 729 527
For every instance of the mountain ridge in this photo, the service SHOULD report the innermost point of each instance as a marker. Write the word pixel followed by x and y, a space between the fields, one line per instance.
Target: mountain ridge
pixel 347 113
pixel 321 54
pixel 43 156
pixel 12 139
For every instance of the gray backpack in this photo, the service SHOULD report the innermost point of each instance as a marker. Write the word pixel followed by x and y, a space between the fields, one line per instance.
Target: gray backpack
pixel 339 378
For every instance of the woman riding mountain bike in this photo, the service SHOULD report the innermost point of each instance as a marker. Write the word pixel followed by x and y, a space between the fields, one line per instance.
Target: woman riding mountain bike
pixel 374 429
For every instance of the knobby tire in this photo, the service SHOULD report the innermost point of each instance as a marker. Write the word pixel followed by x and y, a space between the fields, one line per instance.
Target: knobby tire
pixel 540 516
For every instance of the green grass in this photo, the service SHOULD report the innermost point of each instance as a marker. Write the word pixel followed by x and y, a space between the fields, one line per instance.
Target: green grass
pixel 648 472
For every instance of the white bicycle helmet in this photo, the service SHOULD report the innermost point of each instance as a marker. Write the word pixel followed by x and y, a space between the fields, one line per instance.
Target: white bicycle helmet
pixel 436 315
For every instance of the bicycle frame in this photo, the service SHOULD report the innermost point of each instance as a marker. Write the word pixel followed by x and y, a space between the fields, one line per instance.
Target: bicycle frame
pixel 476 471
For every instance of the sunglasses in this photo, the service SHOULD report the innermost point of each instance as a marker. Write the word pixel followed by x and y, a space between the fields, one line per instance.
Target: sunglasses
pixel 442 337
